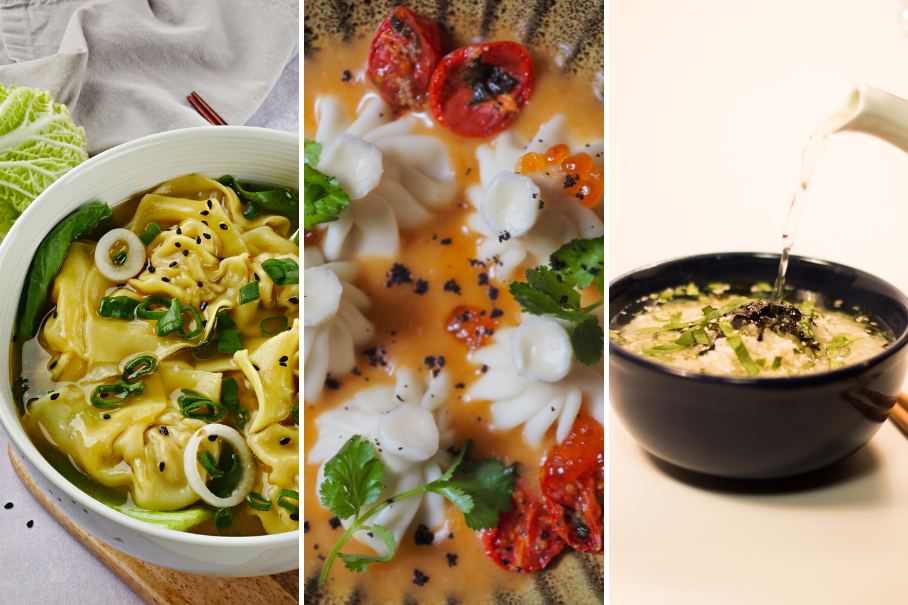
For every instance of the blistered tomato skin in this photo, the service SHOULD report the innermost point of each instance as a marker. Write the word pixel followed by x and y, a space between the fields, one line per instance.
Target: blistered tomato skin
pixel 479 90
pixel 573 486
pixel 404 54
pixel 525 539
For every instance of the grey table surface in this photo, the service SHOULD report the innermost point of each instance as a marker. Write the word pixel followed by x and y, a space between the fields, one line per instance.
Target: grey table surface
pixel 45 564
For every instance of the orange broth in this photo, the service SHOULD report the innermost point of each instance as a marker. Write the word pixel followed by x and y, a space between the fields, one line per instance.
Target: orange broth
pixel 411 327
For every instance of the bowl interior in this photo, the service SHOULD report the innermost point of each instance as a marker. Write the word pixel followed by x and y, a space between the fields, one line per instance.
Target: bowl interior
pixel 855 287
pixel 112 177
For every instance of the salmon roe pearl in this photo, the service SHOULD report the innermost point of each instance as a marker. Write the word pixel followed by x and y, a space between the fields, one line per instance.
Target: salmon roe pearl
pixel 556 154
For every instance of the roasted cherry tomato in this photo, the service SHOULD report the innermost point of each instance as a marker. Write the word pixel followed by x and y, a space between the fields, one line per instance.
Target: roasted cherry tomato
pixel 404 53
pixel 478 90
pixel 573 486
pixel 525 539
pixel 471 325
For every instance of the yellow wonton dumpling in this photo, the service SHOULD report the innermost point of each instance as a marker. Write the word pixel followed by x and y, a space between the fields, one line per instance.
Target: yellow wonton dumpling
pixel 274 381
pixel 282 462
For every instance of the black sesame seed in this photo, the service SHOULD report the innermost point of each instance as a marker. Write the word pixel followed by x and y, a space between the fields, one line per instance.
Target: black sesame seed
pixel 198 239
pixel 179 231
pixel 55 396
pixel 206 236
pixel 209 203
pixel 223 226
pixel 205 223
pixel 106 416
pixel 212 437
pixel 120 286
pixel 30 524
pixel 204 213
pixel 257 369
pixel 8 505
pixel 177 244
pixel 199 284
pixel 161 466
pixel 151 269
pixel 167 279
pixel 185 252
pixel 173 264
pixel 53 364
pixel 283 358
pixel 285 440
pixel 294 517
pixel 163 430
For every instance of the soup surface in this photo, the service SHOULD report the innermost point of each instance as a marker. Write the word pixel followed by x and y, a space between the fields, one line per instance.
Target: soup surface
pixel 429 306
pixel 200 339
pixel 735 332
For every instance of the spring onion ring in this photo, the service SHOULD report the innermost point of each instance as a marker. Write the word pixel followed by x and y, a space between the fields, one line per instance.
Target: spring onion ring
pixel 142 311
pixel 144 365
pixel 135 255
pixel 191 468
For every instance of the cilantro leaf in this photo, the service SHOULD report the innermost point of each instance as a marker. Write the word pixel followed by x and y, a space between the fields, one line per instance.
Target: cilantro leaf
pixel 352 479
pixel 554 285
pixel 480 490
pixel 539 302
pixel 311 151
pixel 323 197
pixel 587 341
pixel 359 563
pixel 581 261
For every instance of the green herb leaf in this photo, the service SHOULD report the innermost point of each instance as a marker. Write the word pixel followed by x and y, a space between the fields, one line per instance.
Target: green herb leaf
pixel 558 289
pixel 841 341
pixel 323 197
pixel 49 258
pixel 352 479
pixel 614 335
pixel 282 271
pixel 280 200
pixel 582 261
pixel 588 342
pixel 311 151
pixel 118 307
pixel 359 563
pixel 740 350
pixel 541 303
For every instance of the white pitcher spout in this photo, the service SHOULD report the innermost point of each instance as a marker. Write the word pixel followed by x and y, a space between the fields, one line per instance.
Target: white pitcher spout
pixel 876 113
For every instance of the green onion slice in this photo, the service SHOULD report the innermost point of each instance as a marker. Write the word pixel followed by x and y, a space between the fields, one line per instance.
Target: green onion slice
pixel 144 365
pixel 295 414
pixel 119 258
pixel 198 323
pixel 223 520
pixel 224 321
pixel 740 350
pixel 241 418
pixel 249 292
pixel 258 501
pixel 230 394
pixel 283 500
pixel 151 232
pixel 281 318
pixel 197 406
pixel 208 463
pixel 282 271
pixel 20 386
pixel 119 390
pixel 250 212
pixel 230 341
pixel 200 352
pixel 171 320
pixel 143 312
pixel 118 307
pixel 776 363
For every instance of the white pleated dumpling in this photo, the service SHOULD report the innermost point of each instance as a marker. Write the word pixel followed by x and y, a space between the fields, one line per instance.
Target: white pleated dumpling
pixel 532 381
pixel 396 179
pixel 409 426
pixel 513 232
pixel 334 324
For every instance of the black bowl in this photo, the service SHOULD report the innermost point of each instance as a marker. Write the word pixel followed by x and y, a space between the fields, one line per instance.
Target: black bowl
pixel 757 428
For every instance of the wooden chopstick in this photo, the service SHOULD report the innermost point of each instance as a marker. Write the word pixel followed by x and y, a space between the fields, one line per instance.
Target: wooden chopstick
pixel 899 413
pixel 205 110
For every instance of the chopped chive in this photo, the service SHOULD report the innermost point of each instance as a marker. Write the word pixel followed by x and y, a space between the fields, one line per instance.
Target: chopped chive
pixel 230 394
pixel 241 418
pixel 283 500
pixel 648 330
pixel 118 307
pixel 707 310
pixel 258 501
pixel 223 520
pixel 230 341
pixel 295 413
pixel 171 320
pixel 282 271
pixel 202 353
pixel 208 463
pixel 143 312
pixel 196 318
pixel 119 258
pixel 761 362
pixel 151 232
pixel 224 321
pixel 197 406
pixel 701 337
pixel 740 350
pixel 144 365
pixel 280 318
pixel 99 396
pixel 249 292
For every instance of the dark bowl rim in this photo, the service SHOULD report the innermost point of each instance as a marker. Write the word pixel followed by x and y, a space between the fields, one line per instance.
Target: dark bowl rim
pixel 768 382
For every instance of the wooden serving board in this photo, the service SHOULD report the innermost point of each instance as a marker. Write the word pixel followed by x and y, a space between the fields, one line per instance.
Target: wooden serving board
pixel 162 586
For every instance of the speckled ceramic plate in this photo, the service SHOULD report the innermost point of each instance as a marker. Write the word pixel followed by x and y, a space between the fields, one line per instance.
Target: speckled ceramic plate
pixel 572 31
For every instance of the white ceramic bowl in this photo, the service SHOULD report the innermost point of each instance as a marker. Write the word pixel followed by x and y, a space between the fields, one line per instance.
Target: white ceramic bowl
pixel 255 154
